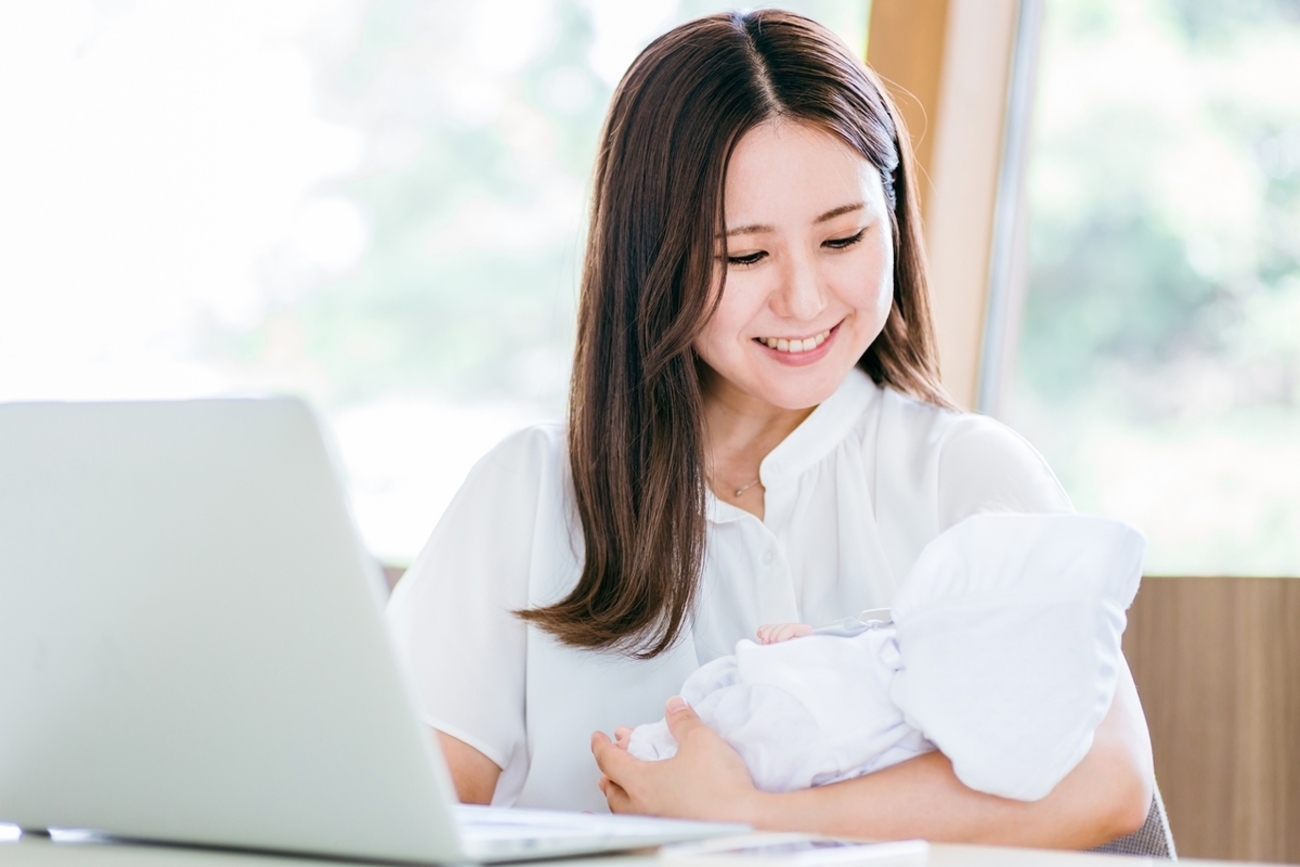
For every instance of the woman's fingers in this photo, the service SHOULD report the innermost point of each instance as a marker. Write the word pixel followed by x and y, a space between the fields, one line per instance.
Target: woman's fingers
pixel 615 796
pixel 618 800
pixel 612 761
pixel 682 721
pixel 705 780
pixel 615 764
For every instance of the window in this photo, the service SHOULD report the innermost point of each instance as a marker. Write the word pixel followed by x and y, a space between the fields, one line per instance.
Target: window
pixel 1159 361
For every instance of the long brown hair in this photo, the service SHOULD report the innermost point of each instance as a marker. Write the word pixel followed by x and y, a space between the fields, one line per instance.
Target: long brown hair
pixel 635 407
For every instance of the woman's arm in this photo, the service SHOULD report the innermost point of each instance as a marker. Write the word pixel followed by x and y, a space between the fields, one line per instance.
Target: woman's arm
pixel 474 774
pixel 1106 796
pixel 451 617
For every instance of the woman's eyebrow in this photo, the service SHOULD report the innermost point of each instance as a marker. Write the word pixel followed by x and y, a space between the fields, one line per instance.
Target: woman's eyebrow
pixel 842 209
pixel 749 230
pixel 829 215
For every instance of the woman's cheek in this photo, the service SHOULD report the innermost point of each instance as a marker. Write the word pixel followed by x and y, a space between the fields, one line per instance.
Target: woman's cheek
pixel 877 280
pixel 738 307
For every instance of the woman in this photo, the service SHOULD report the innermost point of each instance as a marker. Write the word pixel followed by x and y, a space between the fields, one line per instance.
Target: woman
pixel 756 433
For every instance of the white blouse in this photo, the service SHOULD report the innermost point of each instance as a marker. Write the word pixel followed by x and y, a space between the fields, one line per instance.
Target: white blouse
pixel 851 498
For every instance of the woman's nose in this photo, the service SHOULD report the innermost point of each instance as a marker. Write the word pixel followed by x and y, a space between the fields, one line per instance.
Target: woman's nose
pixel 801 295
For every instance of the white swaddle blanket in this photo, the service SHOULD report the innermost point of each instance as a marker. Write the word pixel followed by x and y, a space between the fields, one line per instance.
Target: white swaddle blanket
pixel 1004 653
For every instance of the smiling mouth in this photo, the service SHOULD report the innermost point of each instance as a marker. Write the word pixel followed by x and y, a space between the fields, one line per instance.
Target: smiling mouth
pixel 807 344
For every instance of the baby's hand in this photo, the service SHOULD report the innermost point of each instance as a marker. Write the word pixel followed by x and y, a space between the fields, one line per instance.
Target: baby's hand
pixel 772 633
pixel 622 735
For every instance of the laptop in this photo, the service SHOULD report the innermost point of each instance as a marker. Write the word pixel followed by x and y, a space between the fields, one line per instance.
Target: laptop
pixel 192 649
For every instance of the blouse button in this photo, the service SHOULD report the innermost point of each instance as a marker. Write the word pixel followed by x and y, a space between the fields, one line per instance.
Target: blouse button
pixel 768 557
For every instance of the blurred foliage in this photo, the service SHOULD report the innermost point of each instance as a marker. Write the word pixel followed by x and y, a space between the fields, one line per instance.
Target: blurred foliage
pixel 1123 275
pixel 464 282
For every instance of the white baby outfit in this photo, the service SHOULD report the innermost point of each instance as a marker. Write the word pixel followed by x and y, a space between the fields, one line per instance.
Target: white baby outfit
pixel 1004 653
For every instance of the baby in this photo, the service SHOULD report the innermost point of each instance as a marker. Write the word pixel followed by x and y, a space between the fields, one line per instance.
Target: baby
pixel 1002 649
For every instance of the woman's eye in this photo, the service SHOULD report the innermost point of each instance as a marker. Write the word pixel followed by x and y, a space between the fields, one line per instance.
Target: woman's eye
pixel 844 243
pixel 748 259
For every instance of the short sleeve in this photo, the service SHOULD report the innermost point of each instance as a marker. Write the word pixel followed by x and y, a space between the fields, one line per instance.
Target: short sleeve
pixel 986 467
pixel 452 614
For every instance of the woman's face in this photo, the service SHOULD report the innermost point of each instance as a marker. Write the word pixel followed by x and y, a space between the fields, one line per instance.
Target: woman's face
pixel 809 265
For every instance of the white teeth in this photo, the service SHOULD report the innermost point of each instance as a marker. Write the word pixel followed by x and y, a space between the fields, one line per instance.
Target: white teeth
pixel 782 344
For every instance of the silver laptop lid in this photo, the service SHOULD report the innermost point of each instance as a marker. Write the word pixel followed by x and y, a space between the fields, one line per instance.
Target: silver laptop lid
pixel 191 637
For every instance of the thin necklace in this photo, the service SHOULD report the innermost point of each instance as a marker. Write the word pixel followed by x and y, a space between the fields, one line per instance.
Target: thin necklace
pixel 741 489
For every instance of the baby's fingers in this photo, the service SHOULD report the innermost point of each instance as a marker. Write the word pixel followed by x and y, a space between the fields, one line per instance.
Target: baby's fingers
pixel 772 633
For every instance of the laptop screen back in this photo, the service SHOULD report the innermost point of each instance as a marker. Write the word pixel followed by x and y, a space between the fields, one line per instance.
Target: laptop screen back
pixel 192 641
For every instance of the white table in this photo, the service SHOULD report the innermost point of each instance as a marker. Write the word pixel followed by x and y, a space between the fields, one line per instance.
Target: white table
pixel 38 852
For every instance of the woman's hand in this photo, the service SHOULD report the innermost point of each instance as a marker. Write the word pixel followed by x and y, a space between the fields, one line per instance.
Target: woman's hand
pixel 705 780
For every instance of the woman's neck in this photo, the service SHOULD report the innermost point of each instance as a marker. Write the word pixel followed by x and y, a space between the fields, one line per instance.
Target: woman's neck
pixel 739 431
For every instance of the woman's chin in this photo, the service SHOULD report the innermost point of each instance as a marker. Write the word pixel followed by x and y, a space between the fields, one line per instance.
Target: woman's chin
pixel 801 391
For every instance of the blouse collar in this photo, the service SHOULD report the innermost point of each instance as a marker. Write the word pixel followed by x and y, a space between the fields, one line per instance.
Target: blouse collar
pixel 815 437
